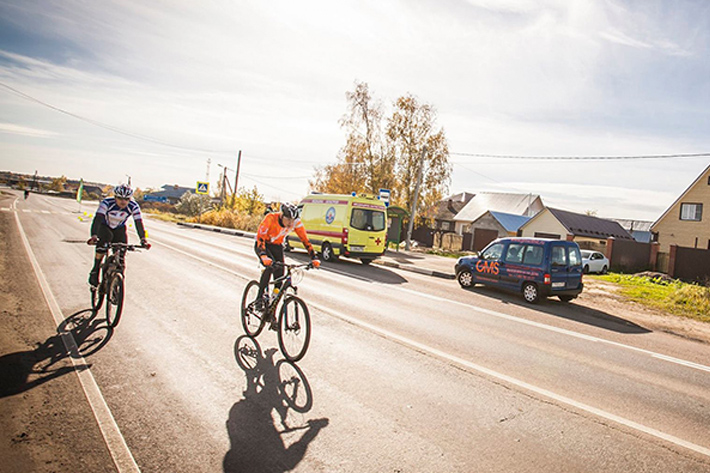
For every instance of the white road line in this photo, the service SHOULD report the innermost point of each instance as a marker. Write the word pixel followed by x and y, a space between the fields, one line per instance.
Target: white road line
pixel 5 209
pixel 46 212
pixel 570 333
pixel 26 210
pixel 117 447
pixel 516 382
pixel 481 369
pixel 659 356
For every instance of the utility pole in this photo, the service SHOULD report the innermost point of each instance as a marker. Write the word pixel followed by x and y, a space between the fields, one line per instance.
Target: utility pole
pixel 236 177
pixel 413 212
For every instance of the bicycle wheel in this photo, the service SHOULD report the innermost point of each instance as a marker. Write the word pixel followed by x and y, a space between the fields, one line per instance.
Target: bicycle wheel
pixel 294 328
pixel 253 320
pixel 97 298
pixel 114 300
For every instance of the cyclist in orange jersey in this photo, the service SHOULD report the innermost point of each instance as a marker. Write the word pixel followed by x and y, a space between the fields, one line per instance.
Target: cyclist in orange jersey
pixel 269 242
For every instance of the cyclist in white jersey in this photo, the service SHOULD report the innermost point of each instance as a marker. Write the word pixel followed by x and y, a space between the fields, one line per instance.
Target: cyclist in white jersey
pixel 109 225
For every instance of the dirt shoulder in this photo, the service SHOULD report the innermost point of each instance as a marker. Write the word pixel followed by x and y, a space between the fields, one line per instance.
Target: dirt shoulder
pixel 46 423
pixel 604 296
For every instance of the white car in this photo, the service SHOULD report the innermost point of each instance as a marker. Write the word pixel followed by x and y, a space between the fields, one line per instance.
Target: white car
pixel 594 262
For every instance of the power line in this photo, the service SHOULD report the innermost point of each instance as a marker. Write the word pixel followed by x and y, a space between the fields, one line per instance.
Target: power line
pixel 105 126
pixel 583 158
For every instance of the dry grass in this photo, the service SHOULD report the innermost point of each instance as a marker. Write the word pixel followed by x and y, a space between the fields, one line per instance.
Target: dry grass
pixel 229 219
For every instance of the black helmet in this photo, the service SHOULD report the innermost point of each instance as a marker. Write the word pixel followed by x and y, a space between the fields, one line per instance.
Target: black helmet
pixel 289 210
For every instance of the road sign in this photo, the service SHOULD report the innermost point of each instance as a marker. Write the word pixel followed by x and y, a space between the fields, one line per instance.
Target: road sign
pixel 385 196
pixel 202 187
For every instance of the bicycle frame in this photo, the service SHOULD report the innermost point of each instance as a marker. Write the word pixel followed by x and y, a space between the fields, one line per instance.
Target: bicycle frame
pixel 286 282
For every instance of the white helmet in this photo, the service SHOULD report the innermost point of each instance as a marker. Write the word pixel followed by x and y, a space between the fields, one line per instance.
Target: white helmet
pixel 123 191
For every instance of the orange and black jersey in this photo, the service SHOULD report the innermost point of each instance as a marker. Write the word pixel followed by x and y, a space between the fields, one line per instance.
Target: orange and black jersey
pixel 271 231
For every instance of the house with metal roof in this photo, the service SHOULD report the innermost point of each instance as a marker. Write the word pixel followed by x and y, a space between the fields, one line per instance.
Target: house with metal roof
pixel 639 229
pixel 516 204
pixel 169 192
pixel 565 225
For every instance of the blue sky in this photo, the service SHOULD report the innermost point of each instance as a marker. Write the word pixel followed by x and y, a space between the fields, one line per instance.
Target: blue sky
pixel 507 77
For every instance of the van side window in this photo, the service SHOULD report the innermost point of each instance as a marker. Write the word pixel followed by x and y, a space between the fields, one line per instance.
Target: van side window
pixel 515 253
pixel 493 253
pixel 533 255
pixel 559 256
pixel 575 259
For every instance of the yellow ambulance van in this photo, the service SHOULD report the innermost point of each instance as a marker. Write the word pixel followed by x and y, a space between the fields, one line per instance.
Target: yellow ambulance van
pixel 344 225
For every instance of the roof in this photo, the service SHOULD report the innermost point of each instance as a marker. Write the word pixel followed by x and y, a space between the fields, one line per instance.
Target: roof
pixel 588 226
pixel 633 225
pixel 446 209
pixel 516 204
pixel 702 174
pixel 172 191
pixel 510 222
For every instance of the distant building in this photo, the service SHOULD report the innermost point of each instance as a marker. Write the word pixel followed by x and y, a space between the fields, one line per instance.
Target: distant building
pixel 571 226
pixel 639 229
pixel 168 193
pixel 515 204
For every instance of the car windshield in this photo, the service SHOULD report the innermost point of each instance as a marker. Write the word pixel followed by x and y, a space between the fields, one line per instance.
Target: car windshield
pixel 369 220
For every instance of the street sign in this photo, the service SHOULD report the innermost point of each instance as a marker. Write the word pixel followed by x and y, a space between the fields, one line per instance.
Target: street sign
pixel 202 187
pixel 385 196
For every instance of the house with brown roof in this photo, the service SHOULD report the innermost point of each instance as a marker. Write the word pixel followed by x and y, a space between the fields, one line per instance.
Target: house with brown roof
pixel 445 210
pixel 586 230
pixel 686 222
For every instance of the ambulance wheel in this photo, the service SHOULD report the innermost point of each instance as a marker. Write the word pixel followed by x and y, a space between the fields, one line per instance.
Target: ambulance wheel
pixel 326 252
pixel 366 261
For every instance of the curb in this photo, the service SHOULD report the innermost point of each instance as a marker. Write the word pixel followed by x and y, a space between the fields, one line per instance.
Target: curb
pixel 229 231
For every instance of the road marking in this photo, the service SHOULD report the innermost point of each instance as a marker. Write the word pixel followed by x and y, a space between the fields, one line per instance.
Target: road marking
pixel 5 209
pixel 481 369
pixel 563 331
pixel 26 210
pixel 116 444
pixel 46 212
pixel 516 382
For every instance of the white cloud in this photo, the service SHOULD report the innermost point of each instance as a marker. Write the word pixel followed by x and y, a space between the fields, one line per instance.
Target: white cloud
pixel 13 129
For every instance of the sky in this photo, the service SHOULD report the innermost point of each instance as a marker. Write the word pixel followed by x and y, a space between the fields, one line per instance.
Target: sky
pixel 104 90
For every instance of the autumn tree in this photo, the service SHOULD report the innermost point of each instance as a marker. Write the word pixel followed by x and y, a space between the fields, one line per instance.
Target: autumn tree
pixel 364 165
pixel 410 131
pixel 58 184
pixel 249 201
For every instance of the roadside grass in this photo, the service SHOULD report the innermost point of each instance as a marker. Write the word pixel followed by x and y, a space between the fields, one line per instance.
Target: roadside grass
pixel 228 218
pixel 166 216
pixel 675 297
pixel 449 254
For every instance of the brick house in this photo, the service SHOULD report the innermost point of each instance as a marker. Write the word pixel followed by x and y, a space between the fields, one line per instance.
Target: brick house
pixel 687 221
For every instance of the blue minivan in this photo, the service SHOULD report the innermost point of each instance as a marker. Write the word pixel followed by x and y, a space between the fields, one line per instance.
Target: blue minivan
pixel 535 267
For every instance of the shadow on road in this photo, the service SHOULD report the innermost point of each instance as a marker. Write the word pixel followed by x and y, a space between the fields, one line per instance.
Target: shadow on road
pixel 258 442
pixel 355 269
pixel 24 370
pixel 566 310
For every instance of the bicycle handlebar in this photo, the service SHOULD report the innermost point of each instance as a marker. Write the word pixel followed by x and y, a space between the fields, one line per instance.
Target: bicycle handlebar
pixel 120 245
pixel 308 265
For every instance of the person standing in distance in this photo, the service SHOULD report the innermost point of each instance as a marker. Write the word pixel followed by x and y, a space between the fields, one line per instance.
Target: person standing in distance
pixel 109 225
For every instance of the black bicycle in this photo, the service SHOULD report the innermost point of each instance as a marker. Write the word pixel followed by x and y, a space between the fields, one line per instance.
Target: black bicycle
pixel 111 287
pixel 293 324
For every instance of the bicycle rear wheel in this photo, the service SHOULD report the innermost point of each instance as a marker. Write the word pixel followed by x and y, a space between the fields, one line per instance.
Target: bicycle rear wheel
pixel 114 300
pixel 294 328
pixel 253 320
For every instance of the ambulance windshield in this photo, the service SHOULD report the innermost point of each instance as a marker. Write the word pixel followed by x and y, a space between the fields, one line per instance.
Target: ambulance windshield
pixel 368 220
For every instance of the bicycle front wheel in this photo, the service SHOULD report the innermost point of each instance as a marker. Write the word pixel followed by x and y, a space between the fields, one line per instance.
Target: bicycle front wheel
pixel 253 319
pixel 97 298
pixel 114 300
pixel 294 328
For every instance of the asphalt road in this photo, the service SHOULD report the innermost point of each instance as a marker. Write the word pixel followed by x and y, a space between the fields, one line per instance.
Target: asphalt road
pixel 405 372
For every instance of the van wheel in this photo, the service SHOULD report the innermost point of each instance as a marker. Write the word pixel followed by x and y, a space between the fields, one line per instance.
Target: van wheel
pixel 465 278
pixel 326 252
pixel 366 261
pixel 566 298
pixel 531 293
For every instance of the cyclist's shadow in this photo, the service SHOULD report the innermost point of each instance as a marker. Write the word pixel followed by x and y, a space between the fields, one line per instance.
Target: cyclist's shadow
pixel 257 442
pixel 23 370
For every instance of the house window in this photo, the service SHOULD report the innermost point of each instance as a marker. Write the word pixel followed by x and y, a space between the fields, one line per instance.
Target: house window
pixel 693 212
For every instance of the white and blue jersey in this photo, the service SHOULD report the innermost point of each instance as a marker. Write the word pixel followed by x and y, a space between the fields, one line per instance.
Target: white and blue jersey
pixel 113 216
